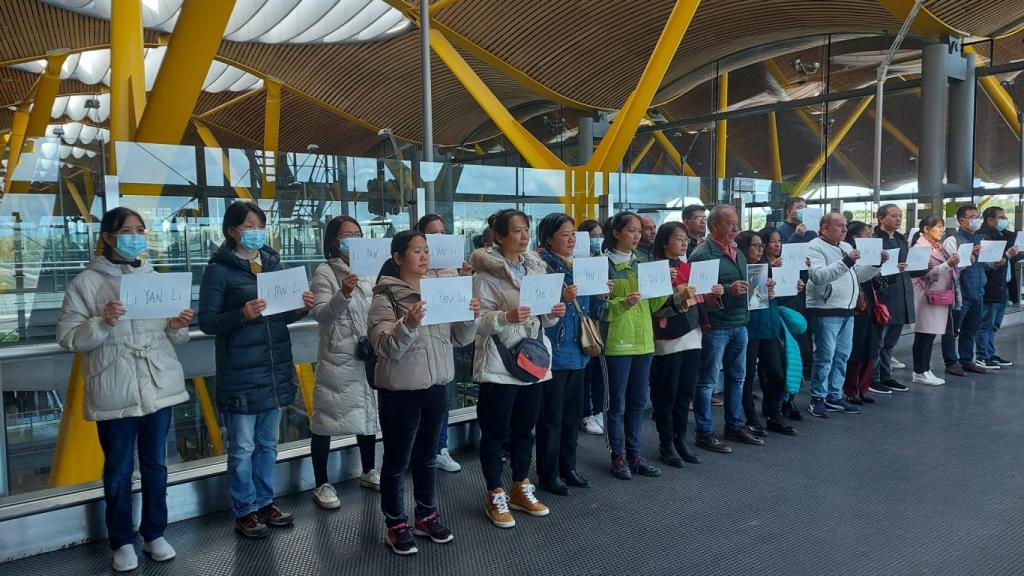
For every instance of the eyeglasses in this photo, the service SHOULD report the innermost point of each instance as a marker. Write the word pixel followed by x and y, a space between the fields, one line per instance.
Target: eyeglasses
pixel 698 218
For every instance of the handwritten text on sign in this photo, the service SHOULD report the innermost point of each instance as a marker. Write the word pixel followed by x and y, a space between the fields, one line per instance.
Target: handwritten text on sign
pixel 795 255
pixel 541 292
pixel 704 275
pixel 367 255
pixel 590 275
pixel 917 258
pixel 653 279
pixel 282 289
pixel 870 251
pixel 148 296
pixel 446 250
pixel 446 299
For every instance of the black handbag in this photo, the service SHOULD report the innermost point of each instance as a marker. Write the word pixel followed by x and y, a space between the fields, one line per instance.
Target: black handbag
pixel 527 360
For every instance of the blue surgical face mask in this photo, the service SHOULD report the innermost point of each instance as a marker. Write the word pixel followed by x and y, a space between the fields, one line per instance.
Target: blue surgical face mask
pixel 131 245
pixel 1002 224
pixel 343 246
pixel 595 245
pixel 975 224
pixel 253 239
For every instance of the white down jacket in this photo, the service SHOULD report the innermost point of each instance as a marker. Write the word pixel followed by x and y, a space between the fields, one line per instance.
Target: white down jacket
pixel 130 368
pixel 343 403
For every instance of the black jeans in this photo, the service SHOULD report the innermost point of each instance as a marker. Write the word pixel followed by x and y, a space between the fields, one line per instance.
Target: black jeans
pixel 319 450
pixel 410 421
pixel 923 344
pixel 561 408
pixel 672 385
pixel 507 410
pixel 764 359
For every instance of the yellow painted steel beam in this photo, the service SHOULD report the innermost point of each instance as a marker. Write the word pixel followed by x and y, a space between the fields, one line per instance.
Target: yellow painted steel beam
pixel 90 190
pixel 642 154
pixel 773 147
pixel 211 142
pixel 677 160
pixel 722 126
pixel 77 456
pixel 253 144
pixel 127 74
pixel 610 151
pixel 271 136
pixel 42 103
pixel 197 35
pixel 233 102
pixel 304 374
pixel 533 151
pixel 1000 98
pixel 19 125
pixel 834 143
pixel 76 196
pixel 925 23
pixel 209 415
pixel 440 5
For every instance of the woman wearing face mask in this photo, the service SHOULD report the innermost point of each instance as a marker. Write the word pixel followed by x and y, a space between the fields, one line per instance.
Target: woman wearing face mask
pixel 934 295
pixel 343 402
pixel 414 366
pixel 128 394
pixel 594 377
pixel 508 406
pixel 255 373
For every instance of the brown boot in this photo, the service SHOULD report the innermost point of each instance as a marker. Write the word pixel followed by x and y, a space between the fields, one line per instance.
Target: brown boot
pixel 522 499
pixel 497 509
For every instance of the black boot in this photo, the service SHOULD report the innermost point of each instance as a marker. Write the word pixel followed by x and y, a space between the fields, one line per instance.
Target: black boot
pixel 669 456
pixel 684 450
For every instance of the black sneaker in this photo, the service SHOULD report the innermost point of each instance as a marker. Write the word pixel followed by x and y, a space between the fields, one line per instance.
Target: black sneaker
pixel 1001 361
pixel 620 469
pixel 712 444
pixel 879 388
pixel 251 526
pixel 400 539
pixel 432 528
pixel 791 410
pixel 780 427
pixel 854 400
pixel 990 363
pixel 667 453
pixel 896 386
pixel 867 399
pixel 272 516
pixel 642 467
pixel 756 430
pixel 742 436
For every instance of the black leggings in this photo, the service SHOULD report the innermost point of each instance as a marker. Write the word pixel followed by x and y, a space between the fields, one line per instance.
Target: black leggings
pixel 923 352
pixel 672 384
pixel 507 411
pixel 319 449
pixel 764 360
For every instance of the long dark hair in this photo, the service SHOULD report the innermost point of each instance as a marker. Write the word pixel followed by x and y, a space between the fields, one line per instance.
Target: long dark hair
pixel 236 214
pixel 500 221
pixel 927 222
pixel 616 224
pixel 589 225
pixel 549 225
pixel 744 240
pixel 854 231
pixel 422 223
pixel 665 232
pixel 399 244
pixel 331 247
pixel 766 237
pixel 111 222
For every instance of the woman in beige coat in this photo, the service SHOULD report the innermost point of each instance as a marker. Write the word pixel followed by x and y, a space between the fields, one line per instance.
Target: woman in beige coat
pixel 343 402
pixel 132 379
pixel 414 366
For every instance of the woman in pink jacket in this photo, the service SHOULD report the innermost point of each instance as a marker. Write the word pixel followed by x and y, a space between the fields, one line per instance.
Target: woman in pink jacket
pixel 934 296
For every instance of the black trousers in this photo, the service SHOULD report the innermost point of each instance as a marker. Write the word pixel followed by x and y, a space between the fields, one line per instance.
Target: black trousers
pixel 923 352
pixel 319 450
pixel 674 378
pixel 561 408
pixel 410 422
pixel 507 410
pixel 764 360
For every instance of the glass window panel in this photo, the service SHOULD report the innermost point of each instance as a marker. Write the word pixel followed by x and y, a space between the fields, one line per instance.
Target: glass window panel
pixel 143 163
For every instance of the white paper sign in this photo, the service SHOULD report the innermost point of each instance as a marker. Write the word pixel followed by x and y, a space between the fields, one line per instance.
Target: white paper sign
pixel 446 250
pixel 446 299
pixel 786 278
pixel 992 250
pixel 811 218
pixel 541 292
pixel 964 252
pixel 917 258
pixel 590 275
pixel 1019 242
pixel 704 275
pixel 870 251
pixel 148 296
pixel 795 255
pixel 282 289
pixel 582 247
pixel 654 279
pixel 892 265
pixel 367 255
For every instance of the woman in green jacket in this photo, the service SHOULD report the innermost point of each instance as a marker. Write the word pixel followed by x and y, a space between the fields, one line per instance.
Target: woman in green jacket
pixel 629 347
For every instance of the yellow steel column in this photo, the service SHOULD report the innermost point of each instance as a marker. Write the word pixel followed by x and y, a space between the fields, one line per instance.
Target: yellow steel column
pixel 211 142
pixel 837 138
pixel 77 456
pixel 76 196
pixel 304 374
pixel 197 35
pixel 641 154
pixel 721 127
pixel 39 117
pixel 271 133
pixel 773 144
pixel 127 73
pixel 18 126
pixel 209 414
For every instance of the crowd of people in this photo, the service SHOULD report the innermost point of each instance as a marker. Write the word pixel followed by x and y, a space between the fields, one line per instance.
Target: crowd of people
pixel 591 364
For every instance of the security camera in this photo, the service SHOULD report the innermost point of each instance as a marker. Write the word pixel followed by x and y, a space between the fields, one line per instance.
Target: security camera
pixel 385 133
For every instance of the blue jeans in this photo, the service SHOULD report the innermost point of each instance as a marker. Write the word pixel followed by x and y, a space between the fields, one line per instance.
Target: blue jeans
pixel 833 340
pixel 721 348
pixel 593 388
pixel 118 440
pixel 628 389
pixel 252 453
pixel 968 318
pixel 991 320
pixel 442 438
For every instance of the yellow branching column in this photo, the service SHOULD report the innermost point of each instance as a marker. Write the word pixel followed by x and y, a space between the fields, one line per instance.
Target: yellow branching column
pixel 721 127
pixel 774 150
pixel 77 456
pixel 127 73
pixel 271 133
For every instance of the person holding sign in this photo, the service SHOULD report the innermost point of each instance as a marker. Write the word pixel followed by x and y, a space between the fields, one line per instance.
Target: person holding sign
pixel 561 403
pixel 896 293
pixel 343 402
pixel 958 351
pixel 129 395
pixel 255 372
pixel 629 349
pixel 593 381
pixel 866 333
pixel 996 297
pixel 794 230
pixel 934 297
pixel 677 341
pixel 415 363
pixel 512 359
pixel 794 336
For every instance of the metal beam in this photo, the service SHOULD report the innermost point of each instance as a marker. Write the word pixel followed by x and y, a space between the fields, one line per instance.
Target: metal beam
pixel 127 73
pixel 271 136
pixel 773 147
pixel 439 5
pixel 197 35
pixel 925 23
pixel 999 97
pixel 42 103
pixel 722 127
pixel 19 125
pixel 76 196
pixel 77 456
pixel 233 102
pixel 211 142
pixel 209 415
pixel 642 153
pixel 837 139
pixel 611 150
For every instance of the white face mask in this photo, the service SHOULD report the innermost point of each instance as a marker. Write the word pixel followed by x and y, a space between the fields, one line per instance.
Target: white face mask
pixel 975 224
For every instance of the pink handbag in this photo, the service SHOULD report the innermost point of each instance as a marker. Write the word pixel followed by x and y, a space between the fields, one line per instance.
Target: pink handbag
pixel 940 298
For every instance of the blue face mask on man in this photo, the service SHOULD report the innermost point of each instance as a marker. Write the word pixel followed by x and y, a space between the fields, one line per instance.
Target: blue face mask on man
pixel 253 239
pixel 1002 224
pixel 595 245
pixel 131 245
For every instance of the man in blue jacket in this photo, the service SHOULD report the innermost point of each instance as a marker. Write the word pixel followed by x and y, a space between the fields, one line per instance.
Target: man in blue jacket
pixel 958 351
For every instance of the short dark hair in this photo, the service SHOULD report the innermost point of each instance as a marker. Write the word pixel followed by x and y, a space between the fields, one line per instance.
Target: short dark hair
pixel 883 210
pixel 793 201
pixel 331 248
pixel 691 209
pixel 500 221
pixel 421 225
pixel 665 232
pixel 236 214
pixel 549 225
pixel 589 225
pixel 961 212
pixel 930 221
pixel 854 230
pixel 991 212
pixel 614 224
pixel 112 221
pixel 399 244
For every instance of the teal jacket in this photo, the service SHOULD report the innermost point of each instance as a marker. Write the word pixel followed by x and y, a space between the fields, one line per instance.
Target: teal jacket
pixel 628 331
pixel 733 313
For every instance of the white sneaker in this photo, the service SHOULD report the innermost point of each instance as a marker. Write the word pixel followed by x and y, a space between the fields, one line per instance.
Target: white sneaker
pixel 928 379
pixel 326 497
pixel 159 549
pixel 894 363
pixel 599 421
pixel 370 480
pixel 590 426
pixel 125 559
pixel 939 381
pixel 446 462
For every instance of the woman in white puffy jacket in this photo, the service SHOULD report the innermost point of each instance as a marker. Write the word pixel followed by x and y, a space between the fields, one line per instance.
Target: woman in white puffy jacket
pixel 343 403
pixel 132 379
